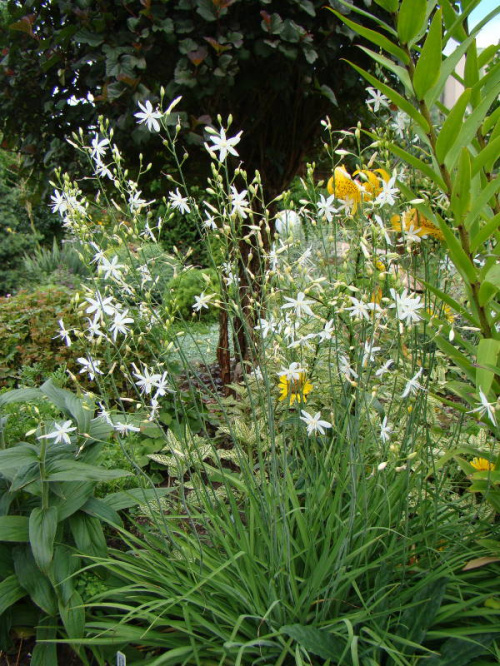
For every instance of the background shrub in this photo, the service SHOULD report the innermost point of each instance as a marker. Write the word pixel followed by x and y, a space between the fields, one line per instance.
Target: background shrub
pixel 181 291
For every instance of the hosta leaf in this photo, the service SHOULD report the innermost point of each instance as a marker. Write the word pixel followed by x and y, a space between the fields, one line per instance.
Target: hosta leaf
pixel 429 63
pixel 36 583
pixel 14 528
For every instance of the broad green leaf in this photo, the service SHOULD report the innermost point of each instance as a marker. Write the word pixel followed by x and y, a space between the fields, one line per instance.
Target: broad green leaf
pixel 10 592
pixel 427 602
pixel 487 354
pixel 489 229
pixel 395 98
pixel 20 395
pixel 449 132
pixel 73 616
pixel 128 498
pixel 88 535
pixel 14 528
pixel 36 584
pixel 318 641
pixel 64 564
pixel 69 403
pixel 490 285
pixel 45 654
pixel 72 470
pixel 29 474
pixel 411 17
pixel 99 509
pixel 17 456
pixel 375 37
pixel 460 195
pixel 429 63
pixel 42 531
pixel 72 496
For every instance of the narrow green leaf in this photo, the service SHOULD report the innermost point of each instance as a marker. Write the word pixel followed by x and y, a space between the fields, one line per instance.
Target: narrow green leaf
pixel 317 641
pixel 390 6
pixel 395 98
pixel 490 121
pixel 429 63
pixel 487 354
pixel 455 305
pixel 487 157
pixel 491 228
pixel 418 164
pixel 471 73
pixel 99 509
pixel 457 254
pixel 471 125
pixel 482 201
pixel 374 37
pixel 10 592
pixel 490 285
pixel 450 21
pixel 457 356
pixel 460 195
pixel 42 531
pixel 389 64
pixel 14 528
pixel 362 12
pixel 411 18
pixel 449 132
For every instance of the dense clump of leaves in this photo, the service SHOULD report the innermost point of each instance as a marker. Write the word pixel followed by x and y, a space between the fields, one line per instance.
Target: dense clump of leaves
pixel 277 67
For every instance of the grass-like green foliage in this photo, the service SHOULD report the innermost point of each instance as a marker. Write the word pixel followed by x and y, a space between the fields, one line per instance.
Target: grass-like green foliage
pixel 56 265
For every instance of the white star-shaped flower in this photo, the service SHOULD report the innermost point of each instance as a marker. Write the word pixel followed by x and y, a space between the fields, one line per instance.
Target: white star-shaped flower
pixel 314 423
pixel 148 116
pixel 60 433
pixel 221 143
pixel 299 304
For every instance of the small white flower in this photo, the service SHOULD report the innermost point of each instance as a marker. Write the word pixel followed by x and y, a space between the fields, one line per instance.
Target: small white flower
pixel 104 414
pixel 377 100
pixel 485 407
pixel 381 466
pixel 111 269
pixel 125 428
pixel 314 423
pixel 384 369
pixel 369 352
pixel 400 123
pixel 265 327
pixel 413 385
pixel 60 433
pixel 380 223
pixel 99 147
pixel 100 305
pixel 222 144
pixel 239 202
pixel 299 304
pixel 179 202
pixel 385 431
pixel 292 373
pixel 406 306
pixel 303 341
pixel 359 309
pixel 102 170
pixel 146 381
pixel 119 324
pixel 345 367
pixel 202 301
pixel 388 193
pixel 328 331
pixel 209 222
pixel 91 366
pixel 148 116
pixel 63 333
pixel 325 208
pixel 287 222
pixel 59 203
pixel 94 330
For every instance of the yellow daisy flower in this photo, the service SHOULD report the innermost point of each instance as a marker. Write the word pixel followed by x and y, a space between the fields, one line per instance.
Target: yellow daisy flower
pixel 296 389
pixel 482 465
